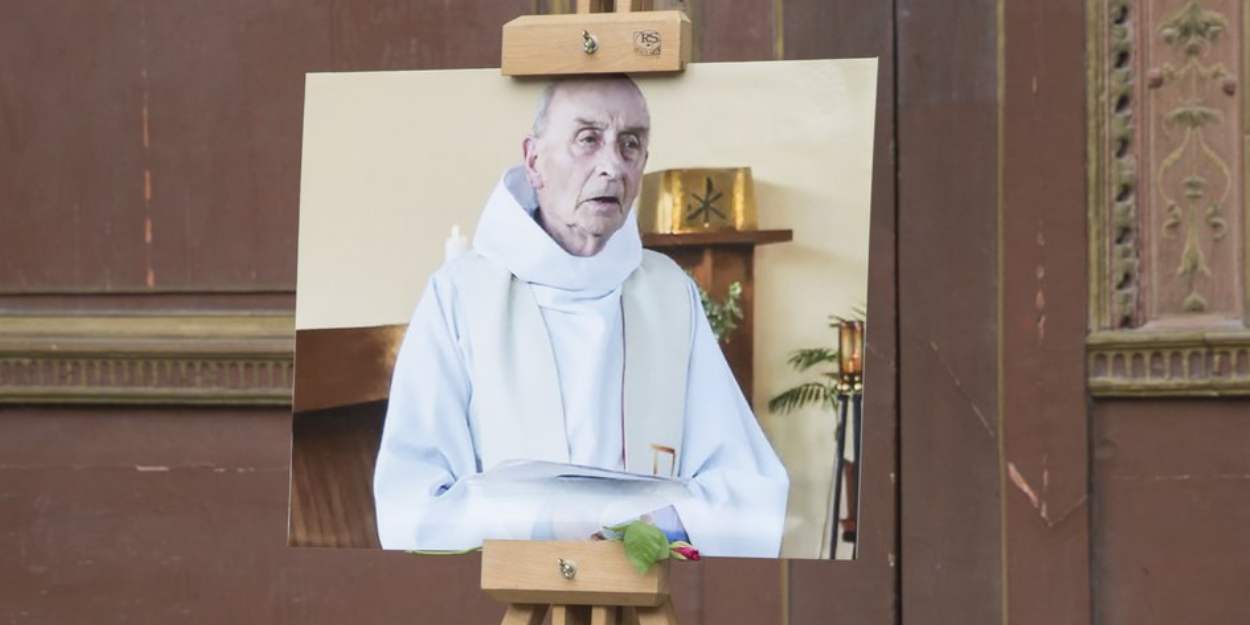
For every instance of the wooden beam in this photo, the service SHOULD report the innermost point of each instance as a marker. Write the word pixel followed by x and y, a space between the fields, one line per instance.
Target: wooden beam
pixel 633 42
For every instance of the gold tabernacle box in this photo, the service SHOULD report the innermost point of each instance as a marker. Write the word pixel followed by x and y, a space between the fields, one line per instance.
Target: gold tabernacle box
pixel 675 201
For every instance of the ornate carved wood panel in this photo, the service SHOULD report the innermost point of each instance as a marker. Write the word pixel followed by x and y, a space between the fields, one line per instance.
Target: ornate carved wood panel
pixel 1190 188
pixel 144 358
pixel 1168 204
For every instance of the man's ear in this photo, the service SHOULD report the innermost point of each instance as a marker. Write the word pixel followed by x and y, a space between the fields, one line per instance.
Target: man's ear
pixel 529 148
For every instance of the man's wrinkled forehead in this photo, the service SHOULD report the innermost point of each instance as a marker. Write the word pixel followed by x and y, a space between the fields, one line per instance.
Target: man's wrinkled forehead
pixel 575 99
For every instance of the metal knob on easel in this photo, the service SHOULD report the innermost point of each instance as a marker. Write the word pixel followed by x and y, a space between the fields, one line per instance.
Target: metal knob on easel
pixel 590 43
pixel 568 568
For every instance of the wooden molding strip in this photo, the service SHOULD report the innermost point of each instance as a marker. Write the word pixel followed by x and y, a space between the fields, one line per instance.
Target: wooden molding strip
pixel 717 237
pixel 170 358
pixel 1210 363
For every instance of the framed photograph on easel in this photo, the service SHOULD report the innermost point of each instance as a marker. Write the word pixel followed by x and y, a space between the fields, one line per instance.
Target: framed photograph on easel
pixel 397 168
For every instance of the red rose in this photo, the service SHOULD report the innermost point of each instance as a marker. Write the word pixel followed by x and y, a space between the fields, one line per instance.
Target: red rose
pixel 689 553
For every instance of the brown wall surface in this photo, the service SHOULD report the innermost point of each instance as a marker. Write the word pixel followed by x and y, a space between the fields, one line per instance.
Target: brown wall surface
pixel 948 326
pixel 175 515
pixel 1171 518
pixel 155 147
pixel 1044 457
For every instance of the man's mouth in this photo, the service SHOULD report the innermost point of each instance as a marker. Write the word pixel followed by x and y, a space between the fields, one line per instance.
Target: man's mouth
pixel 605 202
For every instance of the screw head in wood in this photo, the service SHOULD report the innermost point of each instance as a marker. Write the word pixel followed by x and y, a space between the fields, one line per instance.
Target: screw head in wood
pixel 568 568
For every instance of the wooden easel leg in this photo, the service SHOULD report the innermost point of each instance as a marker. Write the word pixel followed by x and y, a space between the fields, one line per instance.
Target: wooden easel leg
pixel 604 615
pixel 591 6
pixel 629 616
pixel 630 6
pixel 524 614
pixel 614 6
pixel 662 614
pixel 570 615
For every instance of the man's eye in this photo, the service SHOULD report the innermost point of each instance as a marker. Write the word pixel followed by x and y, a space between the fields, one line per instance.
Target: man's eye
pixel 588 139
pixel 631 147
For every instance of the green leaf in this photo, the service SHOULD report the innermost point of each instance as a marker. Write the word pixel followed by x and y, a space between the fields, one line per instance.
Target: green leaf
pixel 723 318
pixel 805 359
pixel 802 395
pixel 645 545
pixel 620 529
pixel 857 312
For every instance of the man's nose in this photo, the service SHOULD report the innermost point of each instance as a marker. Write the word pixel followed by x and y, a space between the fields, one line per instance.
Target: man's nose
pixel 609 163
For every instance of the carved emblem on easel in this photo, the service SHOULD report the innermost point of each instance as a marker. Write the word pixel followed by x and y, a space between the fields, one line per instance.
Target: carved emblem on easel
pixel 647 42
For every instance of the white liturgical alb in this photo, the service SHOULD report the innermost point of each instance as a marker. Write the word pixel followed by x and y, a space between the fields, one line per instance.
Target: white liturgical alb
pixel 472 388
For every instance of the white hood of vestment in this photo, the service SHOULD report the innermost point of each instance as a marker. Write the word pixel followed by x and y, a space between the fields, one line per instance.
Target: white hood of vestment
pixel 509 235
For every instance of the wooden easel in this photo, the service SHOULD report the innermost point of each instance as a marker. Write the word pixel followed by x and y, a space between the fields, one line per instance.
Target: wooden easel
pixel 585 583
pixel 581 583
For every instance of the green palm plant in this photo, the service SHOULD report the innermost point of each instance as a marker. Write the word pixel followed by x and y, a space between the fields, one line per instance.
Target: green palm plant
pixel 824 392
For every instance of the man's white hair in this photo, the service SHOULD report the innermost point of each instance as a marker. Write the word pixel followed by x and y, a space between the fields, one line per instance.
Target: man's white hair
pixel 549 93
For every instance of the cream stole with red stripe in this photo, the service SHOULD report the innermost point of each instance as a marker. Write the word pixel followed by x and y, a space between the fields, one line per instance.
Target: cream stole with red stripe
pixel 516 392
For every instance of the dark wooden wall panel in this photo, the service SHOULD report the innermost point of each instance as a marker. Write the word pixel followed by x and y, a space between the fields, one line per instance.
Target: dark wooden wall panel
pixel 734 30
pixel 867 590
pixel 1171 528
pixel 148 147
pixel 948 328
pixel 1043 293
pixel 156 516
pixel 70 146
pixel 177 515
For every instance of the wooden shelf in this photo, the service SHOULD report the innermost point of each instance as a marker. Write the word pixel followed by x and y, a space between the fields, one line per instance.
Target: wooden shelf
pixel 718 237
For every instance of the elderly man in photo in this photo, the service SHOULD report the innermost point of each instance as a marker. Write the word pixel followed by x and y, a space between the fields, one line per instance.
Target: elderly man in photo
pixel 558 338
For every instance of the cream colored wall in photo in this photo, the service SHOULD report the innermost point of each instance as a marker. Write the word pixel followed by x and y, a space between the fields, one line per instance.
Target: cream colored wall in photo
pixel 392 160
